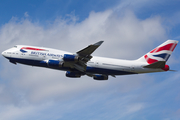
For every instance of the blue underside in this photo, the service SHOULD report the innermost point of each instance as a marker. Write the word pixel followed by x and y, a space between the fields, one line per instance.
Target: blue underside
pixel 93 70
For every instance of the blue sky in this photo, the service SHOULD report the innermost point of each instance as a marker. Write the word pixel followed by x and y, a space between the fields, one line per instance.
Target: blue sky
pixel 42 10
pixel 129 29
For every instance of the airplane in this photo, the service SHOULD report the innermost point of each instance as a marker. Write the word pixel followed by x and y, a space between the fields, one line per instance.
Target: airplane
pixel 83 63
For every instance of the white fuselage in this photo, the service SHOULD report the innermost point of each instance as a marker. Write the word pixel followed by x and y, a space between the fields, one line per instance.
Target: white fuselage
pixel 97 65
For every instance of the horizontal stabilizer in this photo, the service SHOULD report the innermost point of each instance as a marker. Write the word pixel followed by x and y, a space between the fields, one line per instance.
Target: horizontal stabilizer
pixel 173 70
pixel 158 64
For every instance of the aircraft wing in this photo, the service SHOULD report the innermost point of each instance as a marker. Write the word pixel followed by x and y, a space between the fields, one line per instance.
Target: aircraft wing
pixel 85 54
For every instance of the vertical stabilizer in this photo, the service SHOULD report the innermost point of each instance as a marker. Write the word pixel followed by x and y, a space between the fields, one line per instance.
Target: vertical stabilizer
pixel 160 53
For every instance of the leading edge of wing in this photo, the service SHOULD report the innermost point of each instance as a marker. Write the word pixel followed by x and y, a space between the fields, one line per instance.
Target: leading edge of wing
pixel 90 49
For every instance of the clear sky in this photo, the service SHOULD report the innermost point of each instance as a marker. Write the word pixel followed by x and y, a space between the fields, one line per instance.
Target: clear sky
pixel 129 28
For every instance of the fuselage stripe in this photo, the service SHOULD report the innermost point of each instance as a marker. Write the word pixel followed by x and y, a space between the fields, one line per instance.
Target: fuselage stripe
pixel 30 48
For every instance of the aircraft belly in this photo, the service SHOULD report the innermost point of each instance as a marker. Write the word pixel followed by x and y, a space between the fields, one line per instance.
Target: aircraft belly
pixel 107 71
pixel 37 63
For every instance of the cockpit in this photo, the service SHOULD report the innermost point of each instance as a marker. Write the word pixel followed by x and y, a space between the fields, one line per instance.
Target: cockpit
pixel 10 52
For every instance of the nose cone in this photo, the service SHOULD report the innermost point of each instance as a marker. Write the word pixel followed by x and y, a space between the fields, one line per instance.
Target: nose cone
pixel 3 54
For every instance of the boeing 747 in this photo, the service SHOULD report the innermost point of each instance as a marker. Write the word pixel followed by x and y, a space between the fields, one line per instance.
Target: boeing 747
pixel 83 63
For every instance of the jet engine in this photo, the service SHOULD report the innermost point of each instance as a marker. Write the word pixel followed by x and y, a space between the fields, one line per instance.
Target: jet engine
pixel 55 63
pixel 100 77
pixel 70 58
pixel 73 74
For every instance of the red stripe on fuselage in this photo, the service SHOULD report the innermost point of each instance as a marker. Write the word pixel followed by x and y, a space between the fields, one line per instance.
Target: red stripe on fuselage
pixel 30 48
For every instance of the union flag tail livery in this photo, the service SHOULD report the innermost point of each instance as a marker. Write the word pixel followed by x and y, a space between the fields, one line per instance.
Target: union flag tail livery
pixel 83 63
pixel 162 52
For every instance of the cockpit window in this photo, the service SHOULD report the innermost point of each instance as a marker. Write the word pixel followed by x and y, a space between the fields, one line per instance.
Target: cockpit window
pixel 15 46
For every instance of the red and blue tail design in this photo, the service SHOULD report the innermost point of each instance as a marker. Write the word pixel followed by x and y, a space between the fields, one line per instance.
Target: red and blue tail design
pixel 161 53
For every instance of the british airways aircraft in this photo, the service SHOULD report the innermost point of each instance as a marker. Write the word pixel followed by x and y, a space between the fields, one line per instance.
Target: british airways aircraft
pixel 83 63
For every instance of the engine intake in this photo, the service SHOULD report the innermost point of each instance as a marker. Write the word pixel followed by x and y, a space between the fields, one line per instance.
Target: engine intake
pixel 55 63
pixel 100 77
pixel 73 74
pixel 72 58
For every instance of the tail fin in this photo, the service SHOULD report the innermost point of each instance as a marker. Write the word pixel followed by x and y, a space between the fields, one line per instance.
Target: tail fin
pixel 160 53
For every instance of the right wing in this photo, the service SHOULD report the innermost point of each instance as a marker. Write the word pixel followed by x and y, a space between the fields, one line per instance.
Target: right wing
pixel 83 56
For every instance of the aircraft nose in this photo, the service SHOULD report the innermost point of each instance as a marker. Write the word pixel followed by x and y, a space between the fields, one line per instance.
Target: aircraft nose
pixel 3 53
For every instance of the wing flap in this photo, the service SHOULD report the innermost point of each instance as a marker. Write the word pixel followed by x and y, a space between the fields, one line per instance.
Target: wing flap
pixel 80 66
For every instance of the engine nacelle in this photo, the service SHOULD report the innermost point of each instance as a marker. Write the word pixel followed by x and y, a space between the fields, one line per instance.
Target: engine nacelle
pixel 73 74
pixel 100 77
pixel 55 63
pixel 70 58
